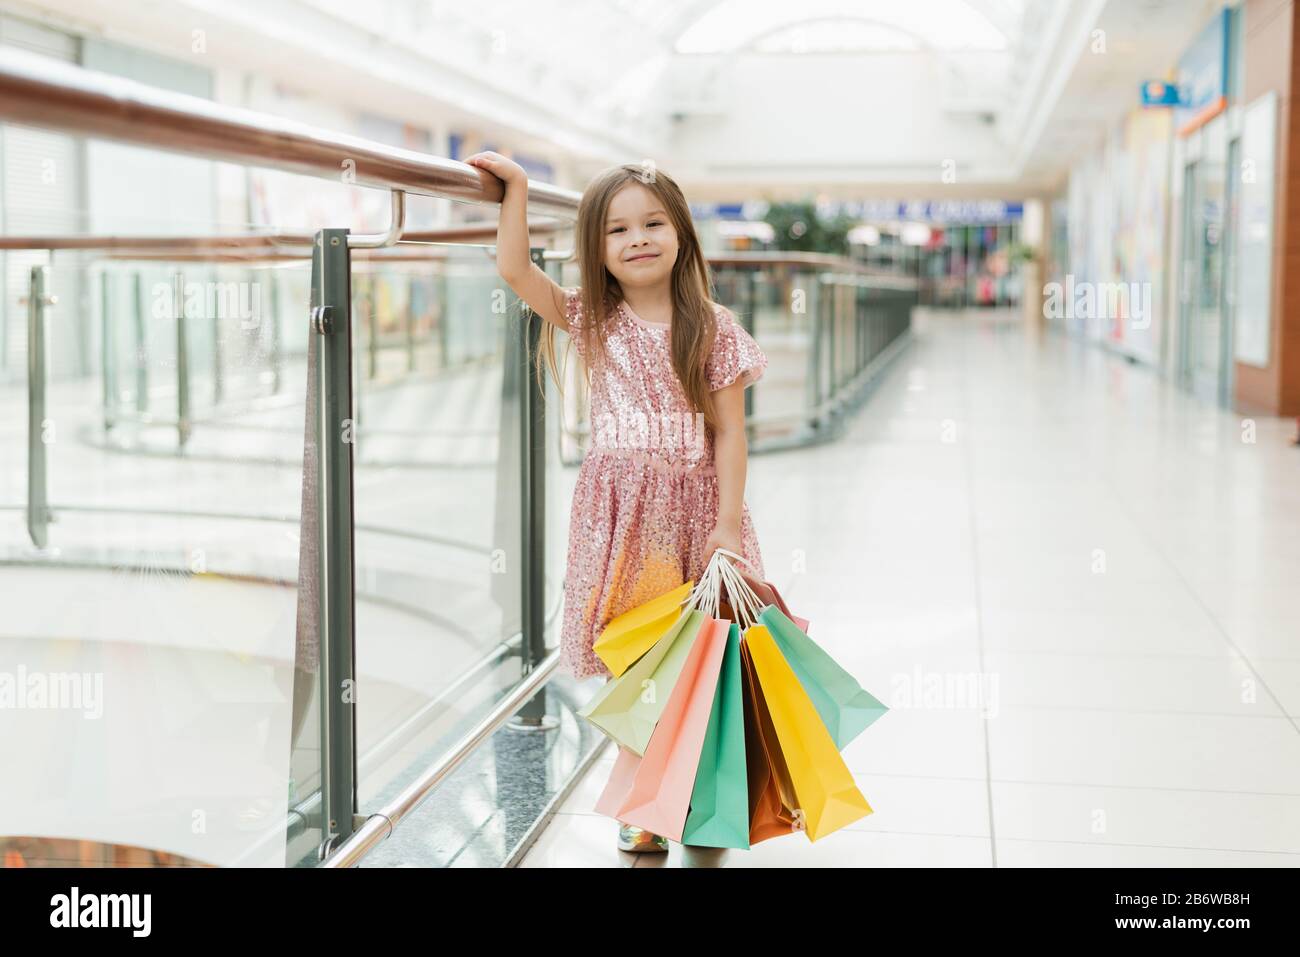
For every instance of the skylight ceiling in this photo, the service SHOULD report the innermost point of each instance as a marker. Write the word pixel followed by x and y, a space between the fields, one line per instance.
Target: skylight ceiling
pixel 611 78
pixel 817 26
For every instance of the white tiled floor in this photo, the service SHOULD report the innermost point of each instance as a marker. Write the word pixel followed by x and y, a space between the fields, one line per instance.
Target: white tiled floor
pixel 1100 549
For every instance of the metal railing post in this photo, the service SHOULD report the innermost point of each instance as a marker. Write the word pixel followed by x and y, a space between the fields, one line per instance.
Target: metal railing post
pixel 815 353
pixel 218 378
pixel 444 318
pixel 411 285
pixel 273 351
pixel 371 299
pixel 141 348
pixel 331 339
pixel 835 337
pixel 532 532
pixel 182 362
pixel 877 322
pixel 108 368
pixel 750 319
pixel 38 497
pixel 859 328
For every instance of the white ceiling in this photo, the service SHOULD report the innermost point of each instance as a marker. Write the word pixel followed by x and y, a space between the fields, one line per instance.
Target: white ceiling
pixel 848 97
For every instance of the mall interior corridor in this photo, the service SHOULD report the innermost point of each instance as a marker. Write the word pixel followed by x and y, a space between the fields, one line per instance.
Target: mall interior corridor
pixel 376 379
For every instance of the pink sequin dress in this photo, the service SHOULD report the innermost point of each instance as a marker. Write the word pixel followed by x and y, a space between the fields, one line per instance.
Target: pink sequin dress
pixel 646 497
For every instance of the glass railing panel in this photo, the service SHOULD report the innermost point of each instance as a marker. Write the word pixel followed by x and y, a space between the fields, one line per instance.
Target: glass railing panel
pixel 437 495
pixel 782 327
pixel 248 365
pixel 162 608
pixel 844 341
pixel 440 562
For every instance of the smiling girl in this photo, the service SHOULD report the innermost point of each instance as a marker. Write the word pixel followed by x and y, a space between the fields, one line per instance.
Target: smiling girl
pixel 662 485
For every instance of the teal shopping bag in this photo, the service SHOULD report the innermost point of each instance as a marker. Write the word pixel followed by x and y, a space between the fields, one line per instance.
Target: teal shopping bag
pixel 719 814
pixel 845 708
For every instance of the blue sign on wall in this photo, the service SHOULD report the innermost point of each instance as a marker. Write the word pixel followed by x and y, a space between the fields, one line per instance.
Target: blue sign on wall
pixel 1203 76
pixel 925 211
pixel 1159 93
pixel 537 169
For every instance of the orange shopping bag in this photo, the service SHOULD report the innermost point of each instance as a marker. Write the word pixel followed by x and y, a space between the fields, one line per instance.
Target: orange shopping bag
pixel 771 796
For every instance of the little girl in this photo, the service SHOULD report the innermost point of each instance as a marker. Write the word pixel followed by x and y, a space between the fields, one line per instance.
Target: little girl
pixel 662 485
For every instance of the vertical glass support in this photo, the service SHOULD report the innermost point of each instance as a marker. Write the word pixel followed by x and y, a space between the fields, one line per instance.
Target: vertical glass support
pixel 274 353
pixel 182 362
pixel 141 348
pixel 38 504
pixel 218 383
pixel 441 297
pixel 411 285
pixel 869 330
pixel 532 484
pixel 750 320
pixel 836 338
pixel 372 326
pixel 362 361
pixel 107 364
pixel 859 328
pixel 327 610
pixel 815 353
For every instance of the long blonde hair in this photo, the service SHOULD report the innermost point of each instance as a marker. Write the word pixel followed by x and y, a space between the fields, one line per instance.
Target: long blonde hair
pixel 694 323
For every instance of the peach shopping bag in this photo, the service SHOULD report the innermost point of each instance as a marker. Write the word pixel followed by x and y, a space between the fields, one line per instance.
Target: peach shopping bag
pixel 660 796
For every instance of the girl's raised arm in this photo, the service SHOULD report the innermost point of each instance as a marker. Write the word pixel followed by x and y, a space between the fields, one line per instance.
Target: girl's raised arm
pixel 543 294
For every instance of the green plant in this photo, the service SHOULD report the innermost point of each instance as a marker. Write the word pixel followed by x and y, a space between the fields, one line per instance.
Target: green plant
pixel 1019 253
pixel 798 227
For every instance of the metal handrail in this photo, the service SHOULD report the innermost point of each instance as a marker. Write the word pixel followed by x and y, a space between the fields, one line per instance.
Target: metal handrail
pixel 465 233
pixel 742 259
pixel 378 826
pixel 42 92
pixel 406 731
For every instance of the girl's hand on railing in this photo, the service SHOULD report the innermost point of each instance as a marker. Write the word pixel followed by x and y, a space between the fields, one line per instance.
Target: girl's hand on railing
pixel 503 168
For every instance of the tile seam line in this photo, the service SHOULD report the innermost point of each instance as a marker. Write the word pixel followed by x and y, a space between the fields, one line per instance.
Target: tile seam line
pixel 973 531
pixel 1155 544
pixel 1053 784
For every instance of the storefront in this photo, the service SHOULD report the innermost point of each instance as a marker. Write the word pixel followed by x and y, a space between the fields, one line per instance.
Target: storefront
pixel 1207 127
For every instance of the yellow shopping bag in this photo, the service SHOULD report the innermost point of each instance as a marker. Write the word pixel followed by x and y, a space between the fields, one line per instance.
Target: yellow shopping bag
pixel 827 795
pixel 630 635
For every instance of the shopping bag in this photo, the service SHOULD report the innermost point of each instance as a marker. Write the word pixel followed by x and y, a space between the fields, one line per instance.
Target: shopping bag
pixel 768 595
pixel 630 635
pixel 661 790
pixel 719 813
pixel 826 795
pixel 771 796
pixel 626 708
pixel 619 784
pixel 845 708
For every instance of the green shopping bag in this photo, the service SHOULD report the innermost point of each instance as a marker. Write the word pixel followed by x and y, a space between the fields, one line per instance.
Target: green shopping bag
pixel 719 815
pixel 628 707
pixel 844 707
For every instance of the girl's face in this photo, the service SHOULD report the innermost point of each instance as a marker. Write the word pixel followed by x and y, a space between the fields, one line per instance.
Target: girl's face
pixel 640 241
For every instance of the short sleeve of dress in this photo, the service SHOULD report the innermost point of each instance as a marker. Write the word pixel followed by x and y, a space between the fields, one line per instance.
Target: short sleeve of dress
pixel 735 355
pixel 573 315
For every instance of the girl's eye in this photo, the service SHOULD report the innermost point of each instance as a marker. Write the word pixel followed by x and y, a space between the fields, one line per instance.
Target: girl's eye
pixel 653 222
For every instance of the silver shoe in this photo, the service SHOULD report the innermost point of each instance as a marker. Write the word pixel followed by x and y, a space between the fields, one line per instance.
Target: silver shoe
pixel 639 840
